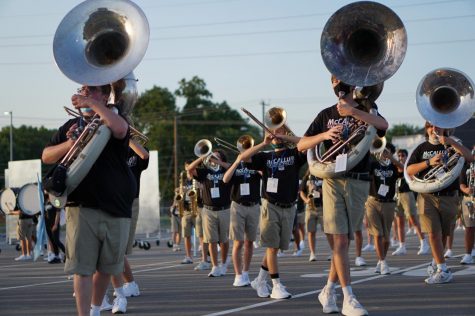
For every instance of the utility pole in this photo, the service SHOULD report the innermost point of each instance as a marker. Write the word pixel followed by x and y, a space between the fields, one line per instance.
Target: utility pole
pixel 175 151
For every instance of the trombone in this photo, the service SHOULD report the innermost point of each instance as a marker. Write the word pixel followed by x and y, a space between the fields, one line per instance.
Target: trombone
pixel 243 143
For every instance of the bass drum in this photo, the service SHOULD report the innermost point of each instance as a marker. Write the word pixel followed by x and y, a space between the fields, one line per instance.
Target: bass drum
pixel 29 200
pixel 8 199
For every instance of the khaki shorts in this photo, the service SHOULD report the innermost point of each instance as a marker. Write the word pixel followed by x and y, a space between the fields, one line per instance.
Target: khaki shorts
pixel 25 228
pixel 215 225
pixel 379 217
pixel 406 205
pixel 133 226
pixel 437 213
pixel 199 223
pixel 312 219
pixel 188 221
pixel 466 213
pixel 175 223
pixel 276 225
pixel 244 222
pixel 95 240
pixel 344 205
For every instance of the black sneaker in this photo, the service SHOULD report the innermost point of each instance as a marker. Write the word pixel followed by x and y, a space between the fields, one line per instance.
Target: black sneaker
pixel 55 260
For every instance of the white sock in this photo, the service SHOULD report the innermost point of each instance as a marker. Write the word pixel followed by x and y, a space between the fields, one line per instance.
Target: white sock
pixel 119 292
pixel 131 283
pixel 262 274
pixel 347 291
pixel 330 285
pixel 442 267
pixel 402 244
pixel 275 281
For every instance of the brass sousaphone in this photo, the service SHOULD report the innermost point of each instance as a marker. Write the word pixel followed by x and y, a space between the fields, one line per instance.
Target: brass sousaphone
pixel 362 44
pixel 98 42
pixel 445 97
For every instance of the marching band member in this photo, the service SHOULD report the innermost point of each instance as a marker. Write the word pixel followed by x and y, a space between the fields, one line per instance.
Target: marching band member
pixel 215 212
pixel 25 228
pixel 204 263
pixel 280 179
pixel 343 197
pixel 188 221
pixel 406 208
pixel 380 204
pixel 467 183
pixel 99 212
pixel 437 210
pixel 311 194
pixel 245 204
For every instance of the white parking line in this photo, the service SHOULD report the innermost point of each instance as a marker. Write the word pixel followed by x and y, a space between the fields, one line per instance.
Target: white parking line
pixel 243 308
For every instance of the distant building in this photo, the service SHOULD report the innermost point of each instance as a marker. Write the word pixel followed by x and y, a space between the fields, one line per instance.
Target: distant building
pixel 408 142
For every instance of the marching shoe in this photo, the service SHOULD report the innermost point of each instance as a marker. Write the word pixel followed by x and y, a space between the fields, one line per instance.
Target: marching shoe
pixel 359 261
pixel 351 307
pixel 131 289
pixel 215 272
pixel 187 260
pixel 449 253
pixel 368 248
pixel 120 305
pixel 378 267
pixel 467 259
pixel 240 281
pixel 203 265
pixel 400 251
pixel 384 268
pixel 424 248
pixel 105 305
pixel 279 292
pixel 328 300
pixel 261 287
pixel 439 277
pixel 312 257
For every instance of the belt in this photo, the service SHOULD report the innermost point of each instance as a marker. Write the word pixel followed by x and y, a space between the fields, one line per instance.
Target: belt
pixel 216 208
pixel 444 193
pixel 382 200
pixel 363 176
pixel 248 204
pixel 283 205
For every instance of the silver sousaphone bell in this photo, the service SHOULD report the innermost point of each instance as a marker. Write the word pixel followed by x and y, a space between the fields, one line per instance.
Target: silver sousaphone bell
pixel 363 43
pixel 101 41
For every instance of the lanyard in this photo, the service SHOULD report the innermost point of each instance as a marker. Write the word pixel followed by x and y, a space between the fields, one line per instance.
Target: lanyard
pixel 245 172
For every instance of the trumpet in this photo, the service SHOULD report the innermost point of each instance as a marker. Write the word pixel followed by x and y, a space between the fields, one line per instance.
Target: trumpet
pixel 204 149
pixel 274 119
pixel 378 148
pixel 243 143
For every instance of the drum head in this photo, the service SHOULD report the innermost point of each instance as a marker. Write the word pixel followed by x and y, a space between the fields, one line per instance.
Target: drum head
pixel 8 200
pixel 29 200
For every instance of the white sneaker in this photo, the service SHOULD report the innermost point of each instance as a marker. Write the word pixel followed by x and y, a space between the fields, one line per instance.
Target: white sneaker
pixel 424 248
pixel 94 313
pixel 459 227
pixel 21 258
pixel 223 267
pixel 449 254
pixel 384 268
pixel 297 253
pixel 378 267
pixel 28 257
pixel 328 300
pixel 105 305
pixel 368 248
pixel 256 244
pixel 215 272
pixel 240 281
pixel 203 265
pixel 261 287
pixel 394 243
pixel 245 278
pixel 439 277
pixel 400 251
pixel 431 269
pixel 351 307
pixel 280 254
pixel 279 292
pixel 187 260
pixel 359 261
pixel 312 257
pixel 131 289
pixel 409 232
pixel 302 244
pixel 120 305
pixel 467 259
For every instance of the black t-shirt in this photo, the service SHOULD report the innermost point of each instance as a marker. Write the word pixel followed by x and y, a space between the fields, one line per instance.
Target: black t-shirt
pixel 312 184
pixel 424 152
pixel 403 187
pixel 136 165
pixel 383 175
pixel 329 118
pixel 50 211
pixel 110 184
pixel 213 181
pixel 283 165
pixel 244 174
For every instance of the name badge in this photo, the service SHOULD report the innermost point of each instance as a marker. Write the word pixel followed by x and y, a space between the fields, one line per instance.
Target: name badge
pixel 245 189
pixel 215 193
pixel 316 194
pixel 340 163
pixel 383 190
pixel 272 185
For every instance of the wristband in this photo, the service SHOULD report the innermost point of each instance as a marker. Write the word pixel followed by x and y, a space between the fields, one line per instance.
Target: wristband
pixel 428 163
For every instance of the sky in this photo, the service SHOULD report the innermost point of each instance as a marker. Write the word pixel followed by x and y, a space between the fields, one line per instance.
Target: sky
pixel 247 51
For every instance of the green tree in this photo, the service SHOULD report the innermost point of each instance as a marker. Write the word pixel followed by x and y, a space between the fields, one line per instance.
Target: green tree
pixel 402 130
